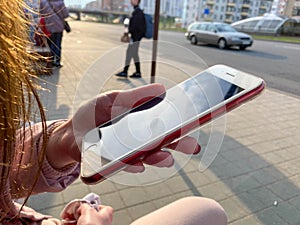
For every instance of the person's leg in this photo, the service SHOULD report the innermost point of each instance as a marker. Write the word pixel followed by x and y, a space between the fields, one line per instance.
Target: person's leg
pixel 137 68
pixel 187 211
pixel 128 58
pixel 136 58
pixel 56 42
pixel 50 44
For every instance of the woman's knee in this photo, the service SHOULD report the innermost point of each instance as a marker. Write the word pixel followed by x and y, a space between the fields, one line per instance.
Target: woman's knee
pixel 207 210
pixel 187 211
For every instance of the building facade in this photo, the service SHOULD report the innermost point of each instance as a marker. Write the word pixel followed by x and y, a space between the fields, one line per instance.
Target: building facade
pixel 296 9
pixel 209 10
pixel 289 8
pixel 171 8
pixel 227 11
pixel 292 8
pixel 188 11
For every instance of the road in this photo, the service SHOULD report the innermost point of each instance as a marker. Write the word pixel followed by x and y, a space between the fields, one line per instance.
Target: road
pixel 277 63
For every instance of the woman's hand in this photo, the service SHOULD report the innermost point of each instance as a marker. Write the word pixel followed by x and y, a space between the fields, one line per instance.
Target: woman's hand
pixel 87 215
pixel 66 139
pixel 159 158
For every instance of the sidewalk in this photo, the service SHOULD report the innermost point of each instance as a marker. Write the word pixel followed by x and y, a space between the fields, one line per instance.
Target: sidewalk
pixel 255 176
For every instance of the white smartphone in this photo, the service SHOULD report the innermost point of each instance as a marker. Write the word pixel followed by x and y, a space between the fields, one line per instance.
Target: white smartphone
pixel 111 147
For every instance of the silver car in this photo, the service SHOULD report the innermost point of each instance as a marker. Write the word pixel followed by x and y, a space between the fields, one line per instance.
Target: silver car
pixel 220 34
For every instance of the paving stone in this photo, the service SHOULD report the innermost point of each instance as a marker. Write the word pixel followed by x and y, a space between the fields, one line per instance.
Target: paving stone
pixel 171 198
pixel 121 217
pixel 263 176
pixel 261 147
pixel 242 183
pixel 285 154
pixel 74 192
pixel 114 200
pixel 218 191
pixel 231 169
pixel 103 187
pixel 231 144
pixel 288 213
pixel 265 196
pixel 219 160
pixel 295 180
pixel 252 202
pixel 295 202
pixel 138 211
pixel 272 157
pixel 134 196
pixel 178 183
pixel 272 170
pixel 249 220
pixel 294 151
pixel 284 189
pixel 198 179
pixel 236 154
pixel 192 165
pixel 45 200
pixel 268 216
pixel 157 191
pixel 234 209
pixel 288 168
pixel 211 175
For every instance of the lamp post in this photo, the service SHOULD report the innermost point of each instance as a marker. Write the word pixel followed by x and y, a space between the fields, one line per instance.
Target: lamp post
pixel 155 38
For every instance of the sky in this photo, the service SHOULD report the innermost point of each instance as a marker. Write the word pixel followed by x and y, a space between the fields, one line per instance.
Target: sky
pixel 77 2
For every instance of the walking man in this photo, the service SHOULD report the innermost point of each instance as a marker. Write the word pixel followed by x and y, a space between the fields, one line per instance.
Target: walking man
pixel 137 29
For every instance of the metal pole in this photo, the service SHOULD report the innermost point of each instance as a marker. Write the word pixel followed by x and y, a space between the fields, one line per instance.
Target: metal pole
pixel 155 38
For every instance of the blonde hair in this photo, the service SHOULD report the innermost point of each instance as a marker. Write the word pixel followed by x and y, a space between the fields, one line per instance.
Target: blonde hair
pixel 17 91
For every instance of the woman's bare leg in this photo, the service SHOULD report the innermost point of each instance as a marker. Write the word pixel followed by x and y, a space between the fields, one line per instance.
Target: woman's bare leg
pixel 187 211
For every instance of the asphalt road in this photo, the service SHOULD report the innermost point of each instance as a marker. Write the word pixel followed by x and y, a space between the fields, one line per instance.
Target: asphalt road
pixel 276 62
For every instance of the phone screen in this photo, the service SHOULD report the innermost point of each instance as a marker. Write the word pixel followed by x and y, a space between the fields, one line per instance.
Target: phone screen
pixel 181 104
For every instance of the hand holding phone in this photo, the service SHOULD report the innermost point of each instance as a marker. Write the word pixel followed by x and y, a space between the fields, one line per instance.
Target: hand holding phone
pixel 106 107
pixel 130 137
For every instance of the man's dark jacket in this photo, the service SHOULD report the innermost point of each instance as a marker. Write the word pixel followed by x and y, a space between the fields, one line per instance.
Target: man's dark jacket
pixel 137 25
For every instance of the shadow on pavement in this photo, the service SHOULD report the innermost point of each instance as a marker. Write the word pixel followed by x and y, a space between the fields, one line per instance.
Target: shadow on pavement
pixel 52 94
pixel 249 186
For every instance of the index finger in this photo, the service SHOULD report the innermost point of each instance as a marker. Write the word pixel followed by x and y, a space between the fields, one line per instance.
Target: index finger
pixel 124 101
pixel 134 97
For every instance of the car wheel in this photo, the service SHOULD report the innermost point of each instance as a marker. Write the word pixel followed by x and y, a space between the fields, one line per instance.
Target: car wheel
pixel 243 47
pixel 222 43
pixel 194 40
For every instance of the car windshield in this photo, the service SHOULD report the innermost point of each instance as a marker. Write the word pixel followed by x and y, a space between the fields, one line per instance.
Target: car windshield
pixel 224 28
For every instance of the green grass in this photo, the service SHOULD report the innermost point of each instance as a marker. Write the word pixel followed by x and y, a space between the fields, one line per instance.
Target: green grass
pixel 280 38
